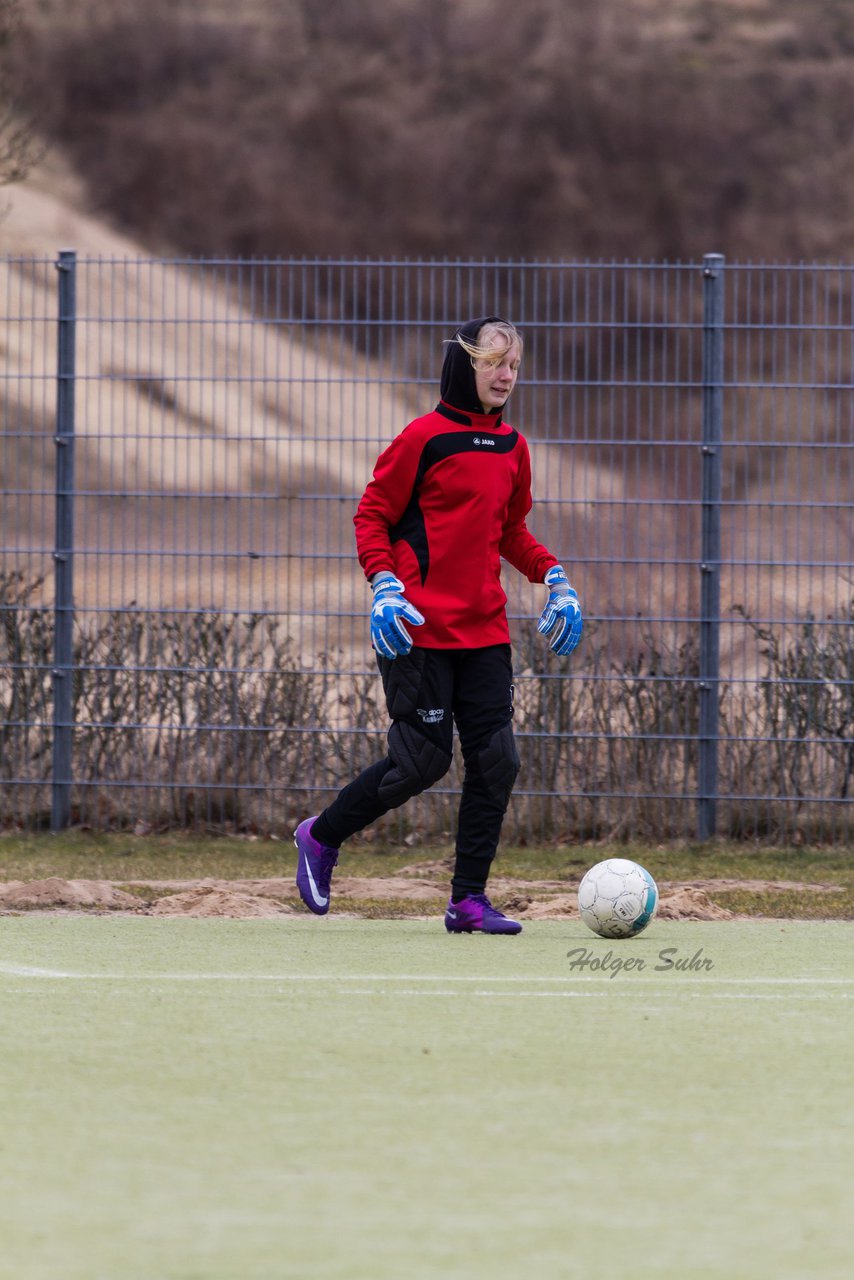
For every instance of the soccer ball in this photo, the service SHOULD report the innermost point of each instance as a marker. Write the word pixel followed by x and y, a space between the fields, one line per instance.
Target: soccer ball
pixel 617 898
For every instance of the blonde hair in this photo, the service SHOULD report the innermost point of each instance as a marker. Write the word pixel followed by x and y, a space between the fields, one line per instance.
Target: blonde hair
pixel 494 340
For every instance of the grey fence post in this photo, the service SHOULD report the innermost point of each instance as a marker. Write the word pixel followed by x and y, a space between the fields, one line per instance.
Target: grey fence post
pixel 710 550
pixel 63 727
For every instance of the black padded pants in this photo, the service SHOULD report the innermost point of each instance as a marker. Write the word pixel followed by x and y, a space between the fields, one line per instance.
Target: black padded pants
pixel 427 693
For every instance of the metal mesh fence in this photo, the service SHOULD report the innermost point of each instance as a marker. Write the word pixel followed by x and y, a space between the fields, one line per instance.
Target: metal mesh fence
pixel 184 620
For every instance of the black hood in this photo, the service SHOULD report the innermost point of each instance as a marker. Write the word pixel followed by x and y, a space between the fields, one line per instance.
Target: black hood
pixel 458 387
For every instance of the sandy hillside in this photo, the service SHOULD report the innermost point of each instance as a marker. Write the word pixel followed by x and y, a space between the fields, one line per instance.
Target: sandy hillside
pixel 211 411
pixel 266 434
pixel 181 392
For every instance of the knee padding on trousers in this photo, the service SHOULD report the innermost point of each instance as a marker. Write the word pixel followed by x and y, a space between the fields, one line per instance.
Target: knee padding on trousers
pixel 498 763
pixel 416 764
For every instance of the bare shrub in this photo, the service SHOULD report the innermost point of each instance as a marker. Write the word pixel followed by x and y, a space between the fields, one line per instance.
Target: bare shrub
pixel 390 129
pixel 795 737
pixel 210 720
pixel 26 697
pixel 611 753
pixel 20 147
pixel 180 720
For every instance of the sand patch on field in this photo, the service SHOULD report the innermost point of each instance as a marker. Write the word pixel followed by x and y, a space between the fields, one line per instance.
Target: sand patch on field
pixel 54 892
pixel 679 903
pixel 426 890
pixel 209 900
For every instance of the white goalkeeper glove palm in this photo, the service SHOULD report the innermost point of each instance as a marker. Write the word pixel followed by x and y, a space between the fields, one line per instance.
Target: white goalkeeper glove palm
pixel 389 612
pixel 561 619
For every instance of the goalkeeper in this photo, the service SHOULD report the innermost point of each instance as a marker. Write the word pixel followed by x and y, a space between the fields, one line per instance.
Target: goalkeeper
pixel 448 499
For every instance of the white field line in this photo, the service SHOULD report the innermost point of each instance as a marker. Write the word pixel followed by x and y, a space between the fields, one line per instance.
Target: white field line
pixel 615 989
pixel 680 979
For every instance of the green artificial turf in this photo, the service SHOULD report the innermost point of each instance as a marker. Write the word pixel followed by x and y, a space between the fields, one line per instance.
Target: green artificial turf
pixel 265 1099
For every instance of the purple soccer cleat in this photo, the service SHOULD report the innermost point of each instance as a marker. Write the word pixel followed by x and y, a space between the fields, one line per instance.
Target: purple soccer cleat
pixel 314 868
pixel 476 914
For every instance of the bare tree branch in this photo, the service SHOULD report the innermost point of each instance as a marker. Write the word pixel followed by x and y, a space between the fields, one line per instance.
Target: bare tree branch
pixel 20 146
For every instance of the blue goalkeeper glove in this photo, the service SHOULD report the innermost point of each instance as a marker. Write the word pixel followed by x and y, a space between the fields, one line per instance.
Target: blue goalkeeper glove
pixel 561 618
pixel 389 612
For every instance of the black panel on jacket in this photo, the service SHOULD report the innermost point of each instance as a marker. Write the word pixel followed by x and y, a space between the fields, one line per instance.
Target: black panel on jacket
pixel 411 526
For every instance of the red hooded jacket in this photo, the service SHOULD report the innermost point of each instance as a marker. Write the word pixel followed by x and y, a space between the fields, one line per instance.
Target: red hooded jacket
pixel 449 497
